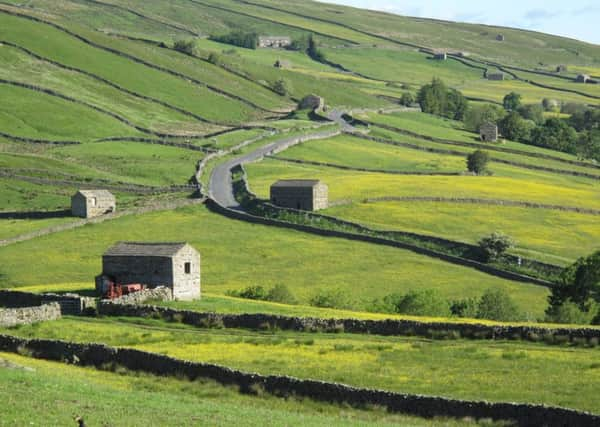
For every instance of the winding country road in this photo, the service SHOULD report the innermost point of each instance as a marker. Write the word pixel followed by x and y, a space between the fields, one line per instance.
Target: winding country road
pixel 220 186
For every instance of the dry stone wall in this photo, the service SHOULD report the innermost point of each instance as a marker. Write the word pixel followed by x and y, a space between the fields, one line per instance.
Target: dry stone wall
pixel 71 304
pixel 98 355
pixel 10 317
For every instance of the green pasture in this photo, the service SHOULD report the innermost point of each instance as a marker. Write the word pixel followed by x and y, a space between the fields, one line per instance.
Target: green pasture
pixel 62 392
pixel 15 227
pixel 300 261
pixel 552 236
pixel 494 371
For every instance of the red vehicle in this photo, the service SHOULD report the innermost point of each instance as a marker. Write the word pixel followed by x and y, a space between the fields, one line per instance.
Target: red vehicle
pixel 112 290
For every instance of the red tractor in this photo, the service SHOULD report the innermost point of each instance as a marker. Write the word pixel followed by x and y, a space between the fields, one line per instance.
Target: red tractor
pixel 111 290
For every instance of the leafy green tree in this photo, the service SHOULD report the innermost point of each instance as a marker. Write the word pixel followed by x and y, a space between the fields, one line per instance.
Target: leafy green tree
pixel 571 313
pixel 215 58
pixel 555 134
pixel 588 146
pixel 550 105
pixel 299 44
pixel 436 98
pixel 533 112
pixel 494 245
pixel 512 101
pixel 407 99
pixel 313 50
pixel 282 87
pixel 420 303
pixel 281 293
pixel 238 38
pixel 514 127
pixel 478 115
pixel 465 308
pixel 496 304
pixel 185 46
pixel 330 299
pixel 477 162
pixel 579 284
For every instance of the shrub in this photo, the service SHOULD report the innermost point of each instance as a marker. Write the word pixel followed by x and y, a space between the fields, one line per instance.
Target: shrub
pixel 407 99
pixel 464 308
pixel 419 303
pixel 238 38
pixel 253 292
pixel 185 46
pixel 215 58
pixel 282 87
pixel 329 299
pixel 281 293
pixel 496 304
pixel 494 245
pixel 477 162
pixel 571 313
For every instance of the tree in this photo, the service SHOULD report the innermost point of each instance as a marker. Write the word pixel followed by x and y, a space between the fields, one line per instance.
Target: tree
pixel 280 293
pixel 465 308
pixel 494 245
pixel 533 112
pixel 588 146
pixel 407 99
pixel 550 104
pixel 571 313
pixel 512 101
pixel 514 127
pixel 238 38
pixel 282 87
pixel 313 51
pixel 436 98
pixel 579 283
pixel 215 58
pixel 419 303
pixel 555 134
pixel 299 44
pixel 185 46
pixel 496 304
pixel 478 115
pixel 477 162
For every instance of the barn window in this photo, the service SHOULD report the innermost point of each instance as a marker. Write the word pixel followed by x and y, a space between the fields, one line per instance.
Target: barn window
pixel 188 267
pixel 93 200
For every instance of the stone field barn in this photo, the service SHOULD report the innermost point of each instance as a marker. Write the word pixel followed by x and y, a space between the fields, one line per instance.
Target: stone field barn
pixel 91 203
pixel 489 132
pixel 303 194
pixel 173 265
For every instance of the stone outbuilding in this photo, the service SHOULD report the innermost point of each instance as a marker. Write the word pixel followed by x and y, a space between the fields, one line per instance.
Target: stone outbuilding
pixel 92 203
pixel 488 132
pixel 440 56
pixel 500 37
pixel 312 102
pixel 274 41
pixel 302 194
pixel 561 69
pixel 172 265
pixel 583 78
pixel 282 64
pixel 495 76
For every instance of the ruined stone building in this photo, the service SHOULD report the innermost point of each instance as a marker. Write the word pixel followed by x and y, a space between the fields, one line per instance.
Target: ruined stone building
pixel 312 102
pixel 273 42
pixel 172 265
pixel 494 76
pixel 92 203
pixel 489 132
pixel 303 194
pixel 583 78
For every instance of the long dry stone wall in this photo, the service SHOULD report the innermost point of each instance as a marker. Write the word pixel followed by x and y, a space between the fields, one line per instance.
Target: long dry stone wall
pixel 388 327
pixel 98 355
pixel 10 317
pixel 71 304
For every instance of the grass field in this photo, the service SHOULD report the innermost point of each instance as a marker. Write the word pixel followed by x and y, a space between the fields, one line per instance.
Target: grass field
pixel 62 392
pixel 370 271
pixel 496 371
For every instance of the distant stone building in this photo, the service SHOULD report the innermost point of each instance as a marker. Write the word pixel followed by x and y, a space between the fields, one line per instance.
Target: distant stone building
pixel 172 265
pixel 495 76
pixel 440 56
pixel 489 132
pixel 500 37
pixel 282 64
pixel 582 78
pixel 561 69
pixel 92 203
pixel 312 102
pixel 303 194
pixel 273 42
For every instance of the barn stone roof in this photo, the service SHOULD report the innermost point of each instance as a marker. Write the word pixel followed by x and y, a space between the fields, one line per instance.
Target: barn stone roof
pixel 296 183
pixel 95 193
pixel 162 249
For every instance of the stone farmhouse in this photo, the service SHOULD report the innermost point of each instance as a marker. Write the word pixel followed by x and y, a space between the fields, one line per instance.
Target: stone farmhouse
pixel 312 102
pixel 489 132
pixel 583 78
pixel 92 203
pixel 172 265
pixel 495 76
pixel 273 42
pixel 302 194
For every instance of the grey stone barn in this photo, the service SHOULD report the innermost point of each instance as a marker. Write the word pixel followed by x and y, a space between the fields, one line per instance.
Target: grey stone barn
pixel 274 41
pixel 303 194
pixel 488 132
pixel 91 203
pixel 173 265
pixel 582 78
pixel 440 56
pixel 495 76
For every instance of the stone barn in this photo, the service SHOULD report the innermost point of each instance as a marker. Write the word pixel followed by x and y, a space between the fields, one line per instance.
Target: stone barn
pixel 489 132
pixel 500 37
pixel 92 203
pixel 440 56
pixel 302 194
pixel 495 76
pixel 582 78
pixel 172 265
pixel 274 42
pixel 312 102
